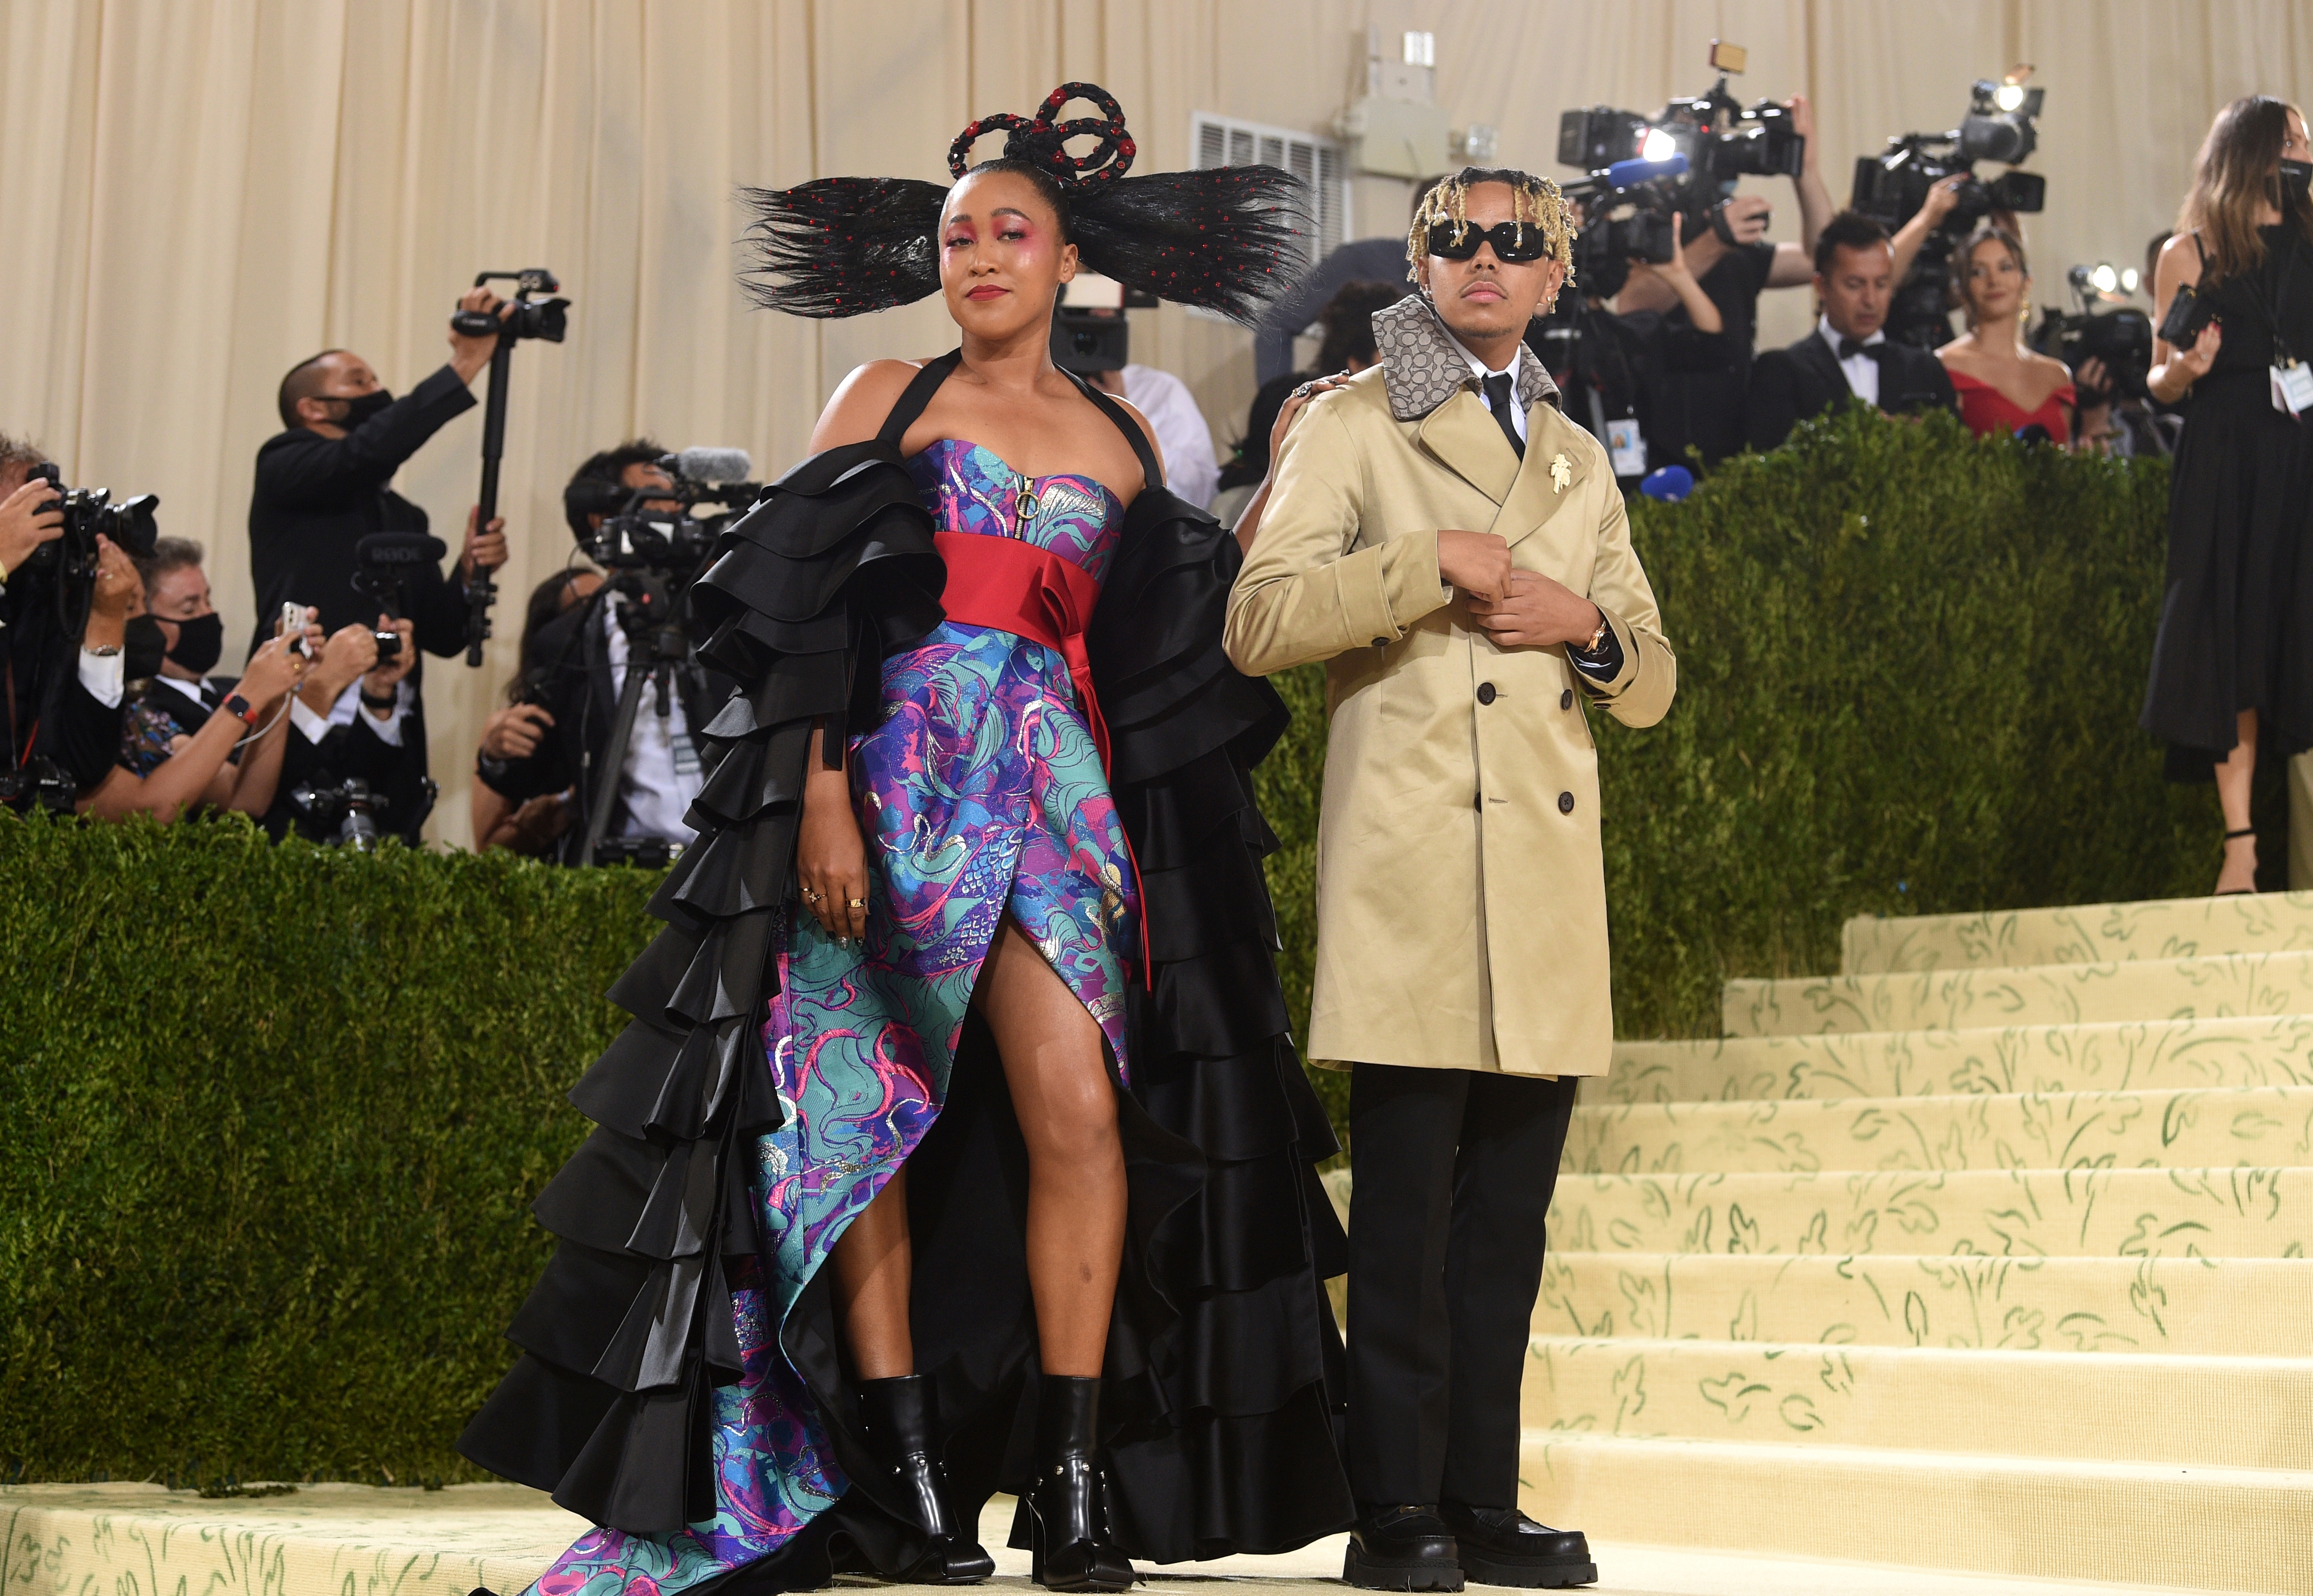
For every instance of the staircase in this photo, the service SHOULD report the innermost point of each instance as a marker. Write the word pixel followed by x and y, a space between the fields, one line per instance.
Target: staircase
pixel 1987 1253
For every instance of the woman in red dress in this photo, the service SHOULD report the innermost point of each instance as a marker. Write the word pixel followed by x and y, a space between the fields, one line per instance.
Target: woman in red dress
pixel 2003 386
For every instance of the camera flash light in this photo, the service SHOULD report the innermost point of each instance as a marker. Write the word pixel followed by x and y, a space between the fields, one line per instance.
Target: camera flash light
pixel 1658 145
pixel 2129 279
pixel 2105 277
pixel 2008 96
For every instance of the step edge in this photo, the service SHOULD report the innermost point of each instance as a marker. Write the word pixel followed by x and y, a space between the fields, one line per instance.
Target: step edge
pixel 2099 1362
pixel 1842 1455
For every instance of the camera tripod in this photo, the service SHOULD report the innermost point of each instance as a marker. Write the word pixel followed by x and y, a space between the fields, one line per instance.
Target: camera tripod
pixel 655 645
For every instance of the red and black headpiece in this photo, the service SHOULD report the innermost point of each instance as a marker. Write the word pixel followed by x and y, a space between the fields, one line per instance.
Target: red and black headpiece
pixel 1228 237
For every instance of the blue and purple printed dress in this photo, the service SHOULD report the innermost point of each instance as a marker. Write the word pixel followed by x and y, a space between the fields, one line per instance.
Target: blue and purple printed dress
pixel 683 1381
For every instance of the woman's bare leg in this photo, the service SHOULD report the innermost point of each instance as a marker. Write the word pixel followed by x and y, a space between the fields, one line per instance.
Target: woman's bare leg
pixel 1062 1092
pixel 2239 874
pixel 874 1260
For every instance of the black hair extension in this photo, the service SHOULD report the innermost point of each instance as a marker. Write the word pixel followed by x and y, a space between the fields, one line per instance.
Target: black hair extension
pixel 1226 239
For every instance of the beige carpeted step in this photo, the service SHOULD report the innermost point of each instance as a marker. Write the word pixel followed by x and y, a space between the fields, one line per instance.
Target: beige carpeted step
pixel 2084 933
pixel 2266 1126
pixel 2128 1055
pixel 2231 1213
pixel 2161 1525
pixel 2233 1307
pixel 2226 984
pixel 2229 1413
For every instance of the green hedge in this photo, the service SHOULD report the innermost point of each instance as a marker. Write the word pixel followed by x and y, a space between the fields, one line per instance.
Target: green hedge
pixel 270 1118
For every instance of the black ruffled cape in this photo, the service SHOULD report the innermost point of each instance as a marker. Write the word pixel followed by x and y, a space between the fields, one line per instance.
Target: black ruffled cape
pixel 1224 1381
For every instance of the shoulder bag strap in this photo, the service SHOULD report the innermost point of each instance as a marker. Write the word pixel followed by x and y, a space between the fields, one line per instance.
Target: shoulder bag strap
pixel 1151 477
pixel 916 396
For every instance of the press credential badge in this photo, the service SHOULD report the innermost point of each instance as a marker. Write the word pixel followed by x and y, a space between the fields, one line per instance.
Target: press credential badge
pixel 2292 388
pixel 1626 447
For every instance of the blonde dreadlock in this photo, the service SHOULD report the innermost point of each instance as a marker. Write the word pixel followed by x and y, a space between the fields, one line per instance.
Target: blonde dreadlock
pixel 1534 202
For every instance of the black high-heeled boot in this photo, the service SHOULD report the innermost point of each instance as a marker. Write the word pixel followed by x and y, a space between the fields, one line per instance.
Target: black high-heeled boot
pixel 1070 1549
pixel 897 1415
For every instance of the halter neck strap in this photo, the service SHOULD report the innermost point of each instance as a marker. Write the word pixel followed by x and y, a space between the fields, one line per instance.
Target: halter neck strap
pixel 918 394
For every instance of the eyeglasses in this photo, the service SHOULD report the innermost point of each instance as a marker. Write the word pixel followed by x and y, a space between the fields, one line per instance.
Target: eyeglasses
pixel 1511 241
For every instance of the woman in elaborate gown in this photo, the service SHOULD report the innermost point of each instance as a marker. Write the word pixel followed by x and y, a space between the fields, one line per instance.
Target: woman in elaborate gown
pixel 967 989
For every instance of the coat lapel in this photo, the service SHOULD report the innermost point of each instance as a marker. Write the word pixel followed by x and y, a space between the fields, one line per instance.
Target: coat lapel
pixel 1463 435
pixel 1533 498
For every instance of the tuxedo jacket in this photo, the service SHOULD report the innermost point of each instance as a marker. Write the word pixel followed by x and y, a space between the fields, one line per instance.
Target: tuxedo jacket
pixel 1802 380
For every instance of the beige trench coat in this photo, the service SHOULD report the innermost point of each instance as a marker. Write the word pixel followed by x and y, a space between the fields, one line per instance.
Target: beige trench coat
pixel 1461 888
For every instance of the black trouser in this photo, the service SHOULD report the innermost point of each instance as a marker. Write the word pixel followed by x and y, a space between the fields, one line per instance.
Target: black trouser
pixel 1451 1172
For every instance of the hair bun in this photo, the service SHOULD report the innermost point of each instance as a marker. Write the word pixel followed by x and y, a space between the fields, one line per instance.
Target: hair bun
pixel 1042 140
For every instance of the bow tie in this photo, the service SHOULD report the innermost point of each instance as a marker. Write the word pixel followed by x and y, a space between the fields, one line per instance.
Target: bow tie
pixel 1848 348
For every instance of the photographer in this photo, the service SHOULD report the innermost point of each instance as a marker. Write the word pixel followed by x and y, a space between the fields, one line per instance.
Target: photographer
pixel 356 735
pixel 1698 392
pixel 560 740
pixel 1849 354
pixel 179 750
pixel 323 486
pixel 536 823
pixel 63 705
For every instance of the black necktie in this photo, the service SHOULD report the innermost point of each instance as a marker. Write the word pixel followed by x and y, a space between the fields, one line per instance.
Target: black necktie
pixel 1498 400
pixel 210 697
pixel 1848 349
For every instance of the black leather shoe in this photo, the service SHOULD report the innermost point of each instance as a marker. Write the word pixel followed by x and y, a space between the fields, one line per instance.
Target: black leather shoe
pixel 897 1415
pixel 1500 1546
pixel 1070 1544
pixel 1406 1548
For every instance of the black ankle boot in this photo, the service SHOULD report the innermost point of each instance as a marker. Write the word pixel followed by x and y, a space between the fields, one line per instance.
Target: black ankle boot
pixel 1070 1547
pixel 897 1415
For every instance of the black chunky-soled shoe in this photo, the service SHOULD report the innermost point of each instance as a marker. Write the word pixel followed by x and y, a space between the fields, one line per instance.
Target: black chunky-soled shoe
pixel 1407 1548
pixel 1500 1546
pixel 897 1415
pixel 1070 1549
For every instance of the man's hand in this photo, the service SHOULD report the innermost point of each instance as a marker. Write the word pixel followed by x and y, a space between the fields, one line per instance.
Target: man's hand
pixel 1941 196
pixel 1537 613
pixel 1747 215
pixel 513 733
pixel 468 357
pixel 387 675
pixel 485 547
pixel 271 672
pixel 24 525
pixel 349 654
pixel 1478 563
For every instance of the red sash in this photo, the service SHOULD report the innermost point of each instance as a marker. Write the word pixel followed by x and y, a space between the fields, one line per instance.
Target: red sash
pixel 1032 592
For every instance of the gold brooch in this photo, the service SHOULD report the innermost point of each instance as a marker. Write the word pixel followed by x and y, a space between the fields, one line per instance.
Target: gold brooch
pixel 1561 473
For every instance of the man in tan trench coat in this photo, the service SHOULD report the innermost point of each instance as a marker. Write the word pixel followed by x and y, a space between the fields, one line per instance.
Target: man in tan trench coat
pixel 1456 552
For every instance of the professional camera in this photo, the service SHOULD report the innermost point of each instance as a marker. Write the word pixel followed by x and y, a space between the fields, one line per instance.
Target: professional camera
pixel 1627 210
pixel 2122 337
pixel 40 782
pixel 1089 330
pixel 71 559
pixel 349 805
pixel 547 320
pixel 675 542
pixel 1721 139
pixel 1892 186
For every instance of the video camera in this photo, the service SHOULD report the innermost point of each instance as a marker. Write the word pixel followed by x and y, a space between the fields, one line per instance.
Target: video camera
pixel 1626 215
pixel 547 320
pixel 70 560
pixel 675 542
pixel 1720 138
pixel 1892 186
pixel 2122 338
pixel 1089 331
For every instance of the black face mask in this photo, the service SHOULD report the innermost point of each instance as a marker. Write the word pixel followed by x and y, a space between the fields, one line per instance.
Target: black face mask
pixel 143 646
pixel 358 410
pixel 200 643
pixel 2296 177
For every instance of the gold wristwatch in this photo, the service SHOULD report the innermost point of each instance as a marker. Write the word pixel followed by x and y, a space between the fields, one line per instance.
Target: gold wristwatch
pixel 1598 637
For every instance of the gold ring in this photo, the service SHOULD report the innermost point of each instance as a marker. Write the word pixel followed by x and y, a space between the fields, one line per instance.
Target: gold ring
pixel 858 903
pixel 809 896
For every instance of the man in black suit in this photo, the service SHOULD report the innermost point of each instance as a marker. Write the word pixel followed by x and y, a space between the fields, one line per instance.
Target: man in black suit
pixel 1847 355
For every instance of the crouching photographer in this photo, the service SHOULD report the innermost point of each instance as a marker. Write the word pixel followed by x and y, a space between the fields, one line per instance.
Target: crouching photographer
pixel 354 771
pixel 595 760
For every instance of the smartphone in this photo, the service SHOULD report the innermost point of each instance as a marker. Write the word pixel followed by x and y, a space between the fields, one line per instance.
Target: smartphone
pixel 293 627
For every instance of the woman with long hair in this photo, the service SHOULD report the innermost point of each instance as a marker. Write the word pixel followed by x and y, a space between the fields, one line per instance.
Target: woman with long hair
pixel 957 1144
pixel 2233 662
pixel 2003 385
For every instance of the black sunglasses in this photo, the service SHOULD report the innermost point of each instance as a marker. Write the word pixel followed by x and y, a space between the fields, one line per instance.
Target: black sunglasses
pixel 1511 241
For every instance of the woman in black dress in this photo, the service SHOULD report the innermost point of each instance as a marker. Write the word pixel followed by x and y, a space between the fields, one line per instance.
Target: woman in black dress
pixel 2233 657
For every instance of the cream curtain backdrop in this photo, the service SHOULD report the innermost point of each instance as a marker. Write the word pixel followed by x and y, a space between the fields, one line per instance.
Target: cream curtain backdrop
pixel 197 193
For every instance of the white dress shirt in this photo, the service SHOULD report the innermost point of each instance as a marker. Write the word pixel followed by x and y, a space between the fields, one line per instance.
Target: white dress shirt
pixel 1484 370
pixel 1861 371
pixel 348 705
pixel 662 773
pixel 1190 469
pixel 105 676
